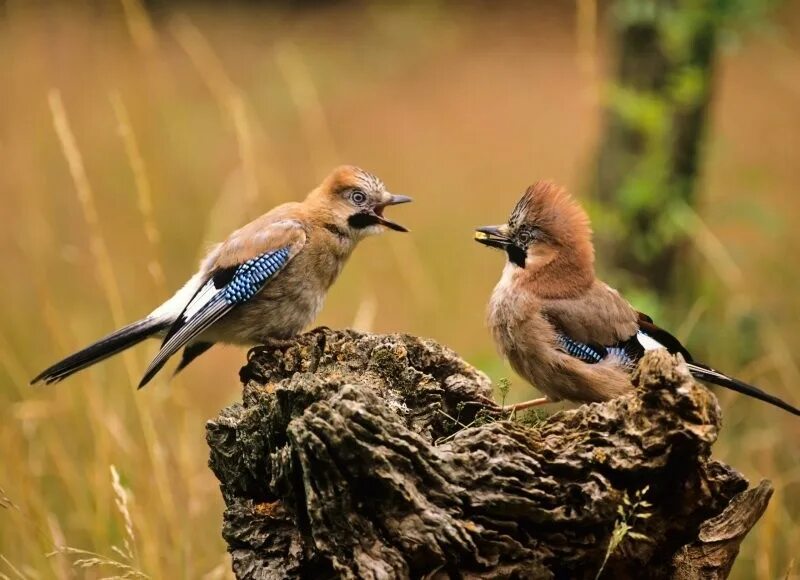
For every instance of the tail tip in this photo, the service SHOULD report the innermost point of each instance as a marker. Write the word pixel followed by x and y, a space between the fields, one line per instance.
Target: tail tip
pixel 44 378
pixel 148 376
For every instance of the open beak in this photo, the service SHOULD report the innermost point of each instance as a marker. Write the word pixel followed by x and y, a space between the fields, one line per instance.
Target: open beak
pixel 493 236
pixel 393 200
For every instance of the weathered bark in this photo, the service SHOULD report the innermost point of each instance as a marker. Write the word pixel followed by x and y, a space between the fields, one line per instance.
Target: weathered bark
pixel 383 456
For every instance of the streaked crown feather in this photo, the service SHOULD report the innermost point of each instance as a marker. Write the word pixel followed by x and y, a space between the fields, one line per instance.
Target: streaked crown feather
pixel 550 208
pixel 347 176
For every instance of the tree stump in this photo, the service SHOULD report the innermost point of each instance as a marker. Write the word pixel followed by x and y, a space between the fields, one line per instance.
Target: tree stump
pixel 383 456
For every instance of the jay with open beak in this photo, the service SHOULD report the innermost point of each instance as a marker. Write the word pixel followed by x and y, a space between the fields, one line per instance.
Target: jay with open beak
pixel 268 280
pixel 563 330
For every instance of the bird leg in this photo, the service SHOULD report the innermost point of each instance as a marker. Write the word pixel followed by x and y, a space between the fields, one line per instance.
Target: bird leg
pixel 273 342
pixel 528 404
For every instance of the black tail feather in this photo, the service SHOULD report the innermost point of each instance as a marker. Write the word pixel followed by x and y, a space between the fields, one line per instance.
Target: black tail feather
pixel 708 374
pixel 107 346
pixel 190 353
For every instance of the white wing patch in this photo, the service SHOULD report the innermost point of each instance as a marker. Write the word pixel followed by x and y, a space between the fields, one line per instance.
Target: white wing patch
pixel 175 305
pixel 648 342
pixel 206 293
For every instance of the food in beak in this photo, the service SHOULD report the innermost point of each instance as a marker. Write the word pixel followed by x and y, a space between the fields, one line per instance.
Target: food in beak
pixel 492 236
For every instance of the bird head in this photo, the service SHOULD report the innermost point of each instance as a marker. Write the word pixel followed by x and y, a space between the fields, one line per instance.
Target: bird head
pixel 547 227
pixel 356 200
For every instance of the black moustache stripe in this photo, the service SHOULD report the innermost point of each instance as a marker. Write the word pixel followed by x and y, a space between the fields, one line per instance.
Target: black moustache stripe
pixel 516 255
pixel 362 220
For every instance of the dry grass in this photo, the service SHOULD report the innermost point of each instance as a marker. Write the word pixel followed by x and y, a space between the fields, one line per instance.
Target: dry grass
pixel 128 145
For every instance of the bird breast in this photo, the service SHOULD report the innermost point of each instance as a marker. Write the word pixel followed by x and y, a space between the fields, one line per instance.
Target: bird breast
pixel 529 341
pixel 510 310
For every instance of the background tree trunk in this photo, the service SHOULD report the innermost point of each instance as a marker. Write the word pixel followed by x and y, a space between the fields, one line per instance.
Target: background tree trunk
pixel 656 117
pixel 383 456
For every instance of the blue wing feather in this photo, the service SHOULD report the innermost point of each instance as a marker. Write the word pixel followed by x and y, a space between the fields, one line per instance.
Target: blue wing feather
pixel 650 337
pixel 586 352
pixel 224 290
pixel 594 353
pixel 628 352
pixel 251 276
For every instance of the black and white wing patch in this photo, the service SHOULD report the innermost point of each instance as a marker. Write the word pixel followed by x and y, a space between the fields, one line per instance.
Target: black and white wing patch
pixel 655 337
pixel 225 290
pixel 651 337
pixel 626 352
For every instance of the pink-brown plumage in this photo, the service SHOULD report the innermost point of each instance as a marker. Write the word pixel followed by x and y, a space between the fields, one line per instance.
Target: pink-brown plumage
pixel 268 279
pixel 564 267
pixel 566 332
pixel 524 325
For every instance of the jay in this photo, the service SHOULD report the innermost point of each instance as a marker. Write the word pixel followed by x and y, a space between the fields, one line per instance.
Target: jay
pixel 268 280
pixel 563 330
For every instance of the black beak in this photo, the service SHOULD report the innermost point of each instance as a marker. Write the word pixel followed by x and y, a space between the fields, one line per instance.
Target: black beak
pixel 493 236
pixel 393 200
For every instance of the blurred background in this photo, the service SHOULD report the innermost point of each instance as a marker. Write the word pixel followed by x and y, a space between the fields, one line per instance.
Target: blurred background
pixel 133 135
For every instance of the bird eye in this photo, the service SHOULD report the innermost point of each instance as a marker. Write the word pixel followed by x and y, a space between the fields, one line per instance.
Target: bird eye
pixel 358 197
pixel 525 237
